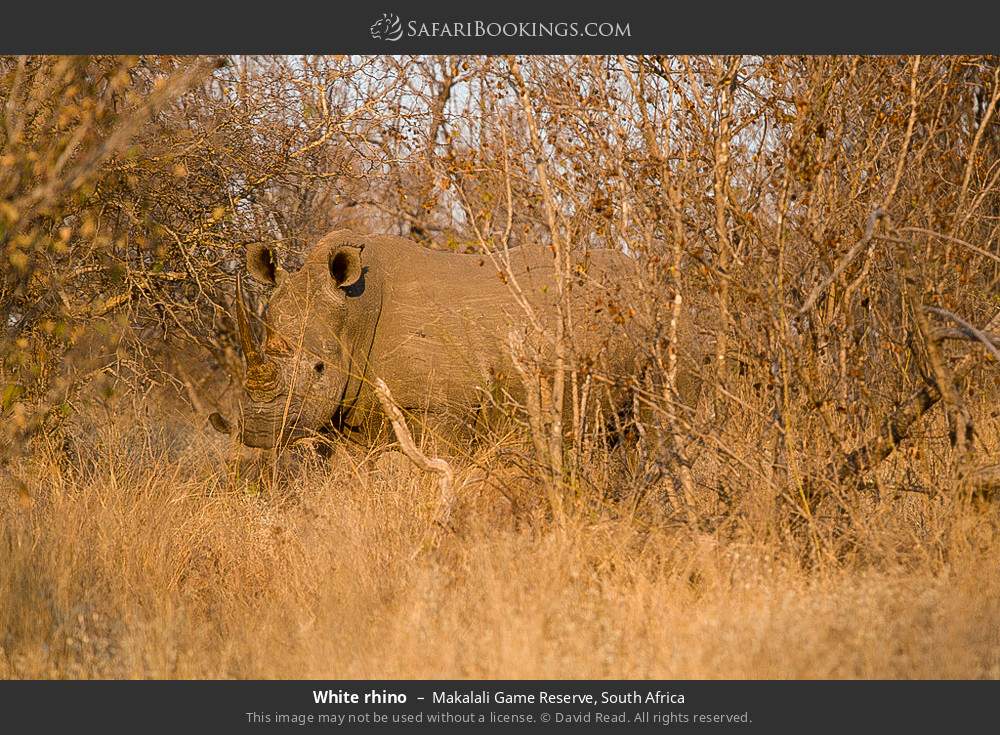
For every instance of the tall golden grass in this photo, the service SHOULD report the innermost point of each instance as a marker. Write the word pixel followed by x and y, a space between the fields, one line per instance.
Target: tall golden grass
pixel 143 547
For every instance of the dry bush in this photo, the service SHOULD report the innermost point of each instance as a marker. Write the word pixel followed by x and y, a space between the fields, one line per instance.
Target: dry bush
pixel 802 484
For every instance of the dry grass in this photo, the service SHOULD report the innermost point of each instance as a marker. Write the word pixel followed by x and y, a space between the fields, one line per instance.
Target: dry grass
pixel 137 551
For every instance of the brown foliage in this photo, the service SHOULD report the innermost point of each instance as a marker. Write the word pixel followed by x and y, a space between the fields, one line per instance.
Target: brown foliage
pixel 817 252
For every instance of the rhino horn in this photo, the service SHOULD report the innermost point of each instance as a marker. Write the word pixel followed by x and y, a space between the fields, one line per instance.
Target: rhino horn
pixel 247 341
pixel 262 380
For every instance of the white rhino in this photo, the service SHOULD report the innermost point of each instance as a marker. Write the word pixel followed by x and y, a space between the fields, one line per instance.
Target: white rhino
pixel 433 324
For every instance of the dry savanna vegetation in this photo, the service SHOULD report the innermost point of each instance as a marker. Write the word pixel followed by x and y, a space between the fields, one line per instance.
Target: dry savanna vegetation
pixel 803 484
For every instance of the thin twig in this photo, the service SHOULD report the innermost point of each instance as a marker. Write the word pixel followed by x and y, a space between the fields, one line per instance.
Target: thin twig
pixel 990 341
pixel 844 262
pixel 949 238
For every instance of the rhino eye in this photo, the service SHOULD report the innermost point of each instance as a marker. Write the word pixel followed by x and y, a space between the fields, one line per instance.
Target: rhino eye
pixel 319 367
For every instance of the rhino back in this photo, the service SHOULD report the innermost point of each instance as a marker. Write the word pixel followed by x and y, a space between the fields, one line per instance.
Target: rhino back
pixel 442 334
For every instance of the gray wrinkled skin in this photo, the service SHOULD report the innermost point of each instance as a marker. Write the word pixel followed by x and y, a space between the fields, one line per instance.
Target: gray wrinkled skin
pixel 433 324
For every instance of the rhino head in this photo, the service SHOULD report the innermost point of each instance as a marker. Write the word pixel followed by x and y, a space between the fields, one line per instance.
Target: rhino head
pixel 318 321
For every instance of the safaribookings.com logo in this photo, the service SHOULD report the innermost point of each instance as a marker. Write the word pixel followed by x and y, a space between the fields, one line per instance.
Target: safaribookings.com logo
pixel 390 28
pixel 387 28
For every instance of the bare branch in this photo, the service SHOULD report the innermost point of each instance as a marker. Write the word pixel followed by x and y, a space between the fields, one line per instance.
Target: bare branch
pixel 434 465
pixel 990 341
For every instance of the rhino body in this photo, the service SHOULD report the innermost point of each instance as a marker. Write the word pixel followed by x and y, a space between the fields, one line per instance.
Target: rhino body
pixel 433 324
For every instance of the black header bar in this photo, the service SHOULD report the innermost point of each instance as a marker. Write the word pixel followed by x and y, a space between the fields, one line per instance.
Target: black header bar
pixel 514 26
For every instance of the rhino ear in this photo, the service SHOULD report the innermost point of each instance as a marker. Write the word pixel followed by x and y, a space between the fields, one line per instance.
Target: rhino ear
pixel 345 264
pixel 220 423
pixel 262 264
